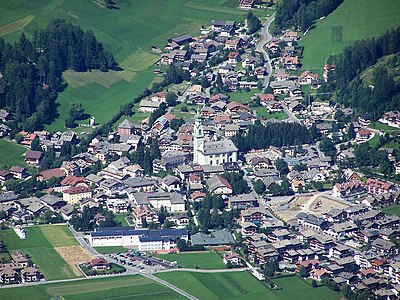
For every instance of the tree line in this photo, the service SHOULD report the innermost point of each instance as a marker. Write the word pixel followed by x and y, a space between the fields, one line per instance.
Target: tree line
pixel 275 134
pixel 383 94
pixel 31 70
pixel 301 13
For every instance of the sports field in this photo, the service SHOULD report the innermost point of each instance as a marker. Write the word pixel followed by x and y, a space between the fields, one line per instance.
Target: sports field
pixel 125 287
pixel 52 248
pixel 242 285
pixel 205 260
pixel 128 33
pixel 353 20
pixel 10 154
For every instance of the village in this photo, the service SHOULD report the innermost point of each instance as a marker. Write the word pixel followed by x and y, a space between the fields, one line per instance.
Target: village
pixel 178 180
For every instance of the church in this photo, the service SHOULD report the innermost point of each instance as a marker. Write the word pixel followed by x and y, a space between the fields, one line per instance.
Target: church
pixel 212 153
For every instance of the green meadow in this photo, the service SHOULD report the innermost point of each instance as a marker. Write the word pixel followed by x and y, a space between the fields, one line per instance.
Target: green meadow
pixel 353 20
pixel 127 32
pixel 243 285
pixel 125 287
pixel 39 245
pixel 10 154
pixel 204 260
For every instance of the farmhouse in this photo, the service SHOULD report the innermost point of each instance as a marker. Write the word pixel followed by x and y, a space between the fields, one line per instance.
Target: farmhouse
pixel 143 240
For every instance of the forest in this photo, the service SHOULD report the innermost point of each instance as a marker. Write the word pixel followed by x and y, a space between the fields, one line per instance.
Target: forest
pixel 374 99
pixel 275 134
pixel 302 13
pixel 31 70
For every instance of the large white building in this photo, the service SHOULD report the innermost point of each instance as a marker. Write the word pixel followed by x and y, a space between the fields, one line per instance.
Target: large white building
pixel 212 153
pixel 143 240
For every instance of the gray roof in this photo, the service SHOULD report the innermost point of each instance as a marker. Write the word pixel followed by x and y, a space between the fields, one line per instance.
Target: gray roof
pixel 126 124
pixel 137 182
pixel 219 147
pixel 220 237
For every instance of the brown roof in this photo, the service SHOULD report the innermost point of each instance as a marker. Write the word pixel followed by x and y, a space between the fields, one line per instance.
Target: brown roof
pixel 58 173
pixel 72 180
pixel 77 190
pixel 33 154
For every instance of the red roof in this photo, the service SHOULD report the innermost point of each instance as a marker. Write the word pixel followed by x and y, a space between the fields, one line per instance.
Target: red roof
pixel 224 181
pixel 364 132
pixel 72 180
pixel 233 55
pixel 99 262
pixel 266 97
pixel 77 190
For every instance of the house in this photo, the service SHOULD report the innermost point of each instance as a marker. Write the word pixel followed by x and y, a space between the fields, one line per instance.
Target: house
pixel 4 115
pixel 377 187
pixel 233 259
pixel 234 107
pixel 232 44
pixel 309 220
pixel 255 215
pixel 347 190
pixel 99 264
pixel 171 183
pixel 245 4
pixel 118 206
pixel 52 202
pixel 33 157
pixel 219 185
pixel 9 276
pixel 242 201
pixel 74 194
pixel 182 39
pixel 18 172
pixel 298 185
pixel 31 274
pixel 4 176
pixel 218 25
pixel 127 128
pixel 181 220
pixel 148 106
pixel 143 214
pixel 52 173
pixel 234 58
pixel 364 135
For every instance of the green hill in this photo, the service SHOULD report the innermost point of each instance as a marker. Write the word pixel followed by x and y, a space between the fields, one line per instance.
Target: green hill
pixel 127 32
pixel 391 62
pixel 353 20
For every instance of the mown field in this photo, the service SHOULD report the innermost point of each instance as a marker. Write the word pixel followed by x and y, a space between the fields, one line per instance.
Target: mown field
pixel 206 260
pixel 52 248
pixel 128 33
pixel 353 20
pixel 242 285
pixel 10 154
pixel 126 287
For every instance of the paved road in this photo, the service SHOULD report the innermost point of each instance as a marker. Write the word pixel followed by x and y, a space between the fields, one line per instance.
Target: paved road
pixel 291 116
pixel 265 38
pixel 205 271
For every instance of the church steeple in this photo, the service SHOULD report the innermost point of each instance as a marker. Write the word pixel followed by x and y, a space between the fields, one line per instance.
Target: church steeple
pixel 198 136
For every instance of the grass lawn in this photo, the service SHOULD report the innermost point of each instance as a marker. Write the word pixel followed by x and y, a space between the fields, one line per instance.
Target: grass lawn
pixel 205 260
pixel 352 20
pixel 112 249
pixel 392 209
pixel 374 141
pixel 128 33
pixel 242 97
pixel 39 245
pixel 125 287
pixel 121 218
pixel 383 127
pixel 263 113
pixel 242 285
pixel 10 154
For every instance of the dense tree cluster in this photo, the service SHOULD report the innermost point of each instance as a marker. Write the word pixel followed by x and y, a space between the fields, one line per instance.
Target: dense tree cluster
pixel 86 220
pixel 237 182
pixel 383 94
pixel 32 69
pixel 253 23
pixel 301 13
pixel 275 134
